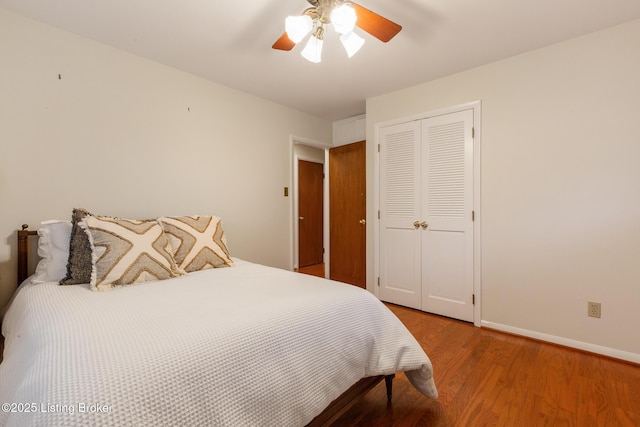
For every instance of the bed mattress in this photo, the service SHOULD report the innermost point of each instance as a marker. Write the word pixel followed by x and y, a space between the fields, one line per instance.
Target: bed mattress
pixel 248 345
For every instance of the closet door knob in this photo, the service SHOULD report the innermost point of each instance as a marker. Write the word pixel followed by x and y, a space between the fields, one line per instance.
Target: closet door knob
pixel 424 224
pixel 362 221
pixel 416 224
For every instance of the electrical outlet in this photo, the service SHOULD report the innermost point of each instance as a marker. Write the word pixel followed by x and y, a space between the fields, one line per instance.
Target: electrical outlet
pixel 593 309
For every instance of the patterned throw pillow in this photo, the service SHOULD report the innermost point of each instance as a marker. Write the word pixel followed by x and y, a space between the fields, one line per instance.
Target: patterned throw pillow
pixel 198 242
pixel 128 251
pixel 79 263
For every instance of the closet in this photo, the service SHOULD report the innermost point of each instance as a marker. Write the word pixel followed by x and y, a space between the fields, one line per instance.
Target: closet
pixel 426 214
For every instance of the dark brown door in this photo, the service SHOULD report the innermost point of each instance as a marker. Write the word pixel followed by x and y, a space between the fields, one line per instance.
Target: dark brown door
pixel 310 201
pixel 347 206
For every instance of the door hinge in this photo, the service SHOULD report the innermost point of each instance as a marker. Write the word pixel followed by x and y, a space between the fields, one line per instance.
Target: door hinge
pixel 378 148
pixel 378 214
pixel 473 132
pixel 473 215
pixel 378 281
pixel 473 299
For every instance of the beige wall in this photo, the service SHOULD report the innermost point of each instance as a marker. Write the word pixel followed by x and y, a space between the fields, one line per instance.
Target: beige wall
pixel 121 135
pixel 560 184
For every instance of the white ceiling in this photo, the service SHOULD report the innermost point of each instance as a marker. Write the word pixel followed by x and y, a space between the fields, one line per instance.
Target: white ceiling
pixel 230 42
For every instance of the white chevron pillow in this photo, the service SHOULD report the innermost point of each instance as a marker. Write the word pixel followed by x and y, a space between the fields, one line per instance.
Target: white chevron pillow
pixel 128 251
pixel 198 242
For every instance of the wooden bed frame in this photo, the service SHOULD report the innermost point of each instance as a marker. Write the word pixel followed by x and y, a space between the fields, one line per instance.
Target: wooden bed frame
pixel 23 252
pixel 331 413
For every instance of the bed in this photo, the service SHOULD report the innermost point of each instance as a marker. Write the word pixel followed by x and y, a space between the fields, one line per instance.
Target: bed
pixel 248 345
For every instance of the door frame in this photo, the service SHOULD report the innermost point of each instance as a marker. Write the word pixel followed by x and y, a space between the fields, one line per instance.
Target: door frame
pixel 293 199
pixel 477 224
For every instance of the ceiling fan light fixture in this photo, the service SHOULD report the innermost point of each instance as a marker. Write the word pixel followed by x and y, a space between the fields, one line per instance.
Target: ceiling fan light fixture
pixel 351 43
pixel 297 27
pixel 343 18
pixel 313 50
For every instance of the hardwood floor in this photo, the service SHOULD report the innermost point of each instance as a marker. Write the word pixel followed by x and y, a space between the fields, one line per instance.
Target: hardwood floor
pixel 488 378
pixel 314 270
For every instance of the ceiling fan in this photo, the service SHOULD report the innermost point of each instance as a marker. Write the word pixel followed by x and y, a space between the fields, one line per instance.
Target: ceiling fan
pixel 344 16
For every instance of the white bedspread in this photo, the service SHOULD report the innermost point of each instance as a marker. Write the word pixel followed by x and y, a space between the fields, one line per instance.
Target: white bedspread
pixel 243 346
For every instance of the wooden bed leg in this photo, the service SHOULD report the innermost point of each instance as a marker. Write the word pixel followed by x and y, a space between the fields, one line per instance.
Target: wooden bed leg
pixel 388 381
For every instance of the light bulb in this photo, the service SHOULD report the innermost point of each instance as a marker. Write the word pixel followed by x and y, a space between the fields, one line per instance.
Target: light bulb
pixel 352 43
pixel 313 50
pixel 343 18
pixel 297 27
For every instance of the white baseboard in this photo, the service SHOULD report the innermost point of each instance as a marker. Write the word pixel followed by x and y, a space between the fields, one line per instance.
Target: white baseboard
pixel 593 348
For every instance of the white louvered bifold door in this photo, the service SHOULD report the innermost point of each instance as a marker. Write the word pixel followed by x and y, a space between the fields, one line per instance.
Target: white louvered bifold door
pixel 400 204
pixel 447 205
pixel 426 206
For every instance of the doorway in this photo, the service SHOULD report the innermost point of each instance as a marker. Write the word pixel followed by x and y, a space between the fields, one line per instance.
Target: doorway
pixel 307 151
pixel 350 256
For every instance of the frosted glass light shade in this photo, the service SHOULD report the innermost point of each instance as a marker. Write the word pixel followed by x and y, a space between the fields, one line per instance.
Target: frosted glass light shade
pixel 352 43
pixel 313 50
pixel 343 18
pixel 297 27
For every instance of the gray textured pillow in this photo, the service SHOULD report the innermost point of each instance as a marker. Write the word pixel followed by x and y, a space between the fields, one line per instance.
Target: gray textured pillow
pixel 79 264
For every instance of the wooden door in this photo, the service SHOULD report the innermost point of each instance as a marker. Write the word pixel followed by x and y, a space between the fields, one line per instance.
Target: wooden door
pixel 347 210
pixel 310 211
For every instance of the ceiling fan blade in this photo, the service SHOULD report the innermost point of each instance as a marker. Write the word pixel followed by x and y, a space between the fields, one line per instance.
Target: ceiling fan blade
pixel 376 25
pixel 283 43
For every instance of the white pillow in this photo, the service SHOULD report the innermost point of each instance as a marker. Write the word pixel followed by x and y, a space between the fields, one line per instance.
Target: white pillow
pixel 53 249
